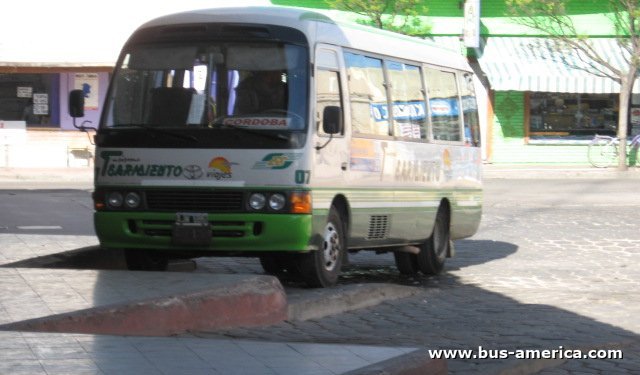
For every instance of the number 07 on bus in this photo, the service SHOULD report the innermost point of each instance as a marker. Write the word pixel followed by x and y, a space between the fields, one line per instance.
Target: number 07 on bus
pixel 285 135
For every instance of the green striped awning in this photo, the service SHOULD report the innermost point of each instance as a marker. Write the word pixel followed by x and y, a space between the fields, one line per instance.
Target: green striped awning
pixel 529 64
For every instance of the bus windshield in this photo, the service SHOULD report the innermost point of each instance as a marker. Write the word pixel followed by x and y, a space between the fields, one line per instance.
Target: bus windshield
pixel 210 86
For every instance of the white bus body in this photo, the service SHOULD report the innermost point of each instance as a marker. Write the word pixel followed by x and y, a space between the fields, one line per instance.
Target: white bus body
pixel 183 171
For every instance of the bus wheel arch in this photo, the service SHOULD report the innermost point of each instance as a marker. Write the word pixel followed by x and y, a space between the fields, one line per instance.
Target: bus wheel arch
pixel 434 251
pixel 342 206
pixel 322 267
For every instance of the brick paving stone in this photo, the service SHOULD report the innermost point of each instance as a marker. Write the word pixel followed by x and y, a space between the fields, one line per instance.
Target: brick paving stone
pixel 534 277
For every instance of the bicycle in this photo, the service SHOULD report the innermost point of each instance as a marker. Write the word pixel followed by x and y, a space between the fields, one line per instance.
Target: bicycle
pixel 603 151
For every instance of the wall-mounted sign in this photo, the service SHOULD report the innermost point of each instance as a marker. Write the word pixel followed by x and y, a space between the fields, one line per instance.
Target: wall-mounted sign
pixel 471 32
pixel 88 83
pixel 24 92
pixel 40 104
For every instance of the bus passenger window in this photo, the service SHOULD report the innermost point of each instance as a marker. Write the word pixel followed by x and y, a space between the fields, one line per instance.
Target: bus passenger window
pixel 327 94
pixel 469 110
pixel 443 105
pixel 409 108
pixel 369 112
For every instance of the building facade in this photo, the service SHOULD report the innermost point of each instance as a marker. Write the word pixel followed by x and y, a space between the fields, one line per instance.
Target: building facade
pixel 35 128
pixel 540 109
pixel 50 48
pixel 534 108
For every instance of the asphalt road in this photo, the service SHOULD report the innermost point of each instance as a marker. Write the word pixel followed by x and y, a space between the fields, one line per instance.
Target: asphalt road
pixel 46 211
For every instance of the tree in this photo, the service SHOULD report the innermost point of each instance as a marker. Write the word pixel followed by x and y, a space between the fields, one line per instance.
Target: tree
pixel 550 17
pixel 401 16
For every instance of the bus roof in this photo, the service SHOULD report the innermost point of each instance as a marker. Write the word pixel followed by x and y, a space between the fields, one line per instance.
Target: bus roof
pixel 323 28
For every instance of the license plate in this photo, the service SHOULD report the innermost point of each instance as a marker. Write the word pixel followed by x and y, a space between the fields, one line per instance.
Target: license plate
pixel 191 229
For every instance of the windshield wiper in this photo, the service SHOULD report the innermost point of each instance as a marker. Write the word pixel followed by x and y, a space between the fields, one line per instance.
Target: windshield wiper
pixel 270 135
pixel 153 129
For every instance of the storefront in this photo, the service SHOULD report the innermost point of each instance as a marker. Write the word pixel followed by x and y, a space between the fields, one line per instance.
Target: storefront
pixel 546 106
pixel 35 129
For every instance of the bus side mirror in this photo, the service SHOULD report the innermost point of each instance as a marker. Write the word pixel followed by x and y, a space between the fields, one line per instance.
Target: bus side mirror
pixel 332 119
pixel 76 103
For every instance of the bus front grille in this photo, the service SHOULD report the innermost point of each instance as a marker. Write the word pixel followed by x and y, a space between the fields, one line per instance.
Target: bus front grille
pixel 228 229
pixel 195 200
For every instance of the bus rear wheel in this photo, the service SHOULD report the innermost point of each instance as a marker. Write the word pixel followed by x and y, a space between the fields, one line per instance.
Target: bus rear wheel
pixel 321 268
pixel 433 252
pixel 406 263
pixel 145 260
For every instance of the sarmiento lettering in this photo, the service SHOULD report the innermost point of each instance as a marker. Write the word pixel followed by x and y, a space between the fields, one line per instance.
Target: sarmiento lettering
pixel 144 170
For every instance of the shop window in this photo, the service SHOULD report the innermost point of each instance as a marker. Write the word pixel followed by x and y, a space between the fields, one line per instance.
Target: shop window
pixel 561 114
pixel 407 95
pixel 29 97
pixel 369 109
pixel 443 105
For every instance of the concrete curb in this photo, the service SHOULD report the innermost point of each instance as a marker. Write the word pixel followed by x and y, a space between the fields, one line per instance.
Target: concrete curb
pixel 323 302
pixel 256 301
pixel 417 362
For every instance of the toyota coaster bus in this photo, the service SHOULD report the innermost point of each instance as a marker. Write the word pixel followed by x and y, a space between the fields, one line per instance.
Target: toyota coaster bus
pixel 285 135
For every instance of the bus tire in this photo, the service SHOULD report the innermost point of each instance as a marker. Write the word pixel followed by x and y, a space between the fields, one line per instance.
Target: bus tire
pixel 278 264
pixel 321 268
pixel 433 252
pixel 145 260
pixel 270 264
pixel 406 263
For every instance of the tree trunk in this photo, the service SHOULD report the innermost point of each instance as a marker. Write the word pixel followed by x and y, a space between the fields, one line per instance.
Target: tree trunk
pixel 623 119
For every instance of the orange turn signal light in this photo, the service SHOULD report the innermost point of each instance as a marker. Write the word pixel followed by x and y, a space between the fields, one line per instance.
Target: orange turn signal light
pixel 301 202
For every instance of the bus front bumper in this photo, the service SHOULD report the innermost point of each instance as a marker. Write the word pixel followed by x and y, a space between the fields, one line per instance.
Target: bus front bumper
pixel 229 232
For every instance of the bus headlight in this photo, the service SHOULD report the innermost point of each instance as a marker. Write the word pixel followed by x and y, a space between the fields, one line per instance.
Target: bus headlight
pixel 257 201
pixel 277 201
pixel 132 200
pixel 114 199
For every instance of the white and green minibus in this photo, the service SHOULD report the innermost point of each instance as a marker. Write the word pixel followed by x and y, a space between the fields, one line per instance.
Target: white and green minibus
pixel 282 134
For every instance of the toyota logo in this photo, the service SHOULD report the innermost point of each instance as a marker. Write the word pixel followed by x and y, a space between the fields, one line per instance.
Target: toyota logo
pixel 192 172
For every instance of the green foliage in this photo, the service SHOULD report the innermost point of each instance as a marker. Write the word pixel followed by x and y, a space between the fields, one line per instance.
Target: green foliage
pixel 401 16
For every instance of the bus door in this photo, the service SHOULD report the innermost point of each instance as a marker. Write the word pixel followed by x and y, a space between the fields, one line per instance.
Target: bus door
pixel 332 151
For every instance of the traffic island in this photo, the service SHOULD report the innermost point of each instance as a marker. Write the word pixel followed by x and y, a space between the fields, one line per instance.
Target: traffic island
pixel 230 302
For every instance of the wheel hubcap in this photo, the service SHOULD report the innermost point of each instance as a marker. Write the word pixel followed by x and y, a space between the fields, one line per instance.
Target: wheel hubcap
pixel 331 247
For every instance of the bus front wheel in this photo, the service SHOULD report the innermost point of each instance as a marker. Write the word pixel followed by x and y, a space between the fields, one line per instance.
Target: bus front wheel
pixel 321 268
pixel 278 264
pixel 145 260
pixel 433 252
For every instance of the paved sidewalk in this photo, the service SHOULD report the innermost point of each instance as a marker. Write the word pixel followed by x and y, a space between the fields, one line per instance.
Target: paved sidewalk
pixel 86 302
pixel 45 353
pixel 552 171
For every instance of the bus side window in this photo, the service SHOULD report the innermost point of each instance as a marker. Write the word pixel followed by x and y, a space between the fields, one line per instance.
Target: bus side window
pixel 327 94
pixel 469 110
pixel 443 105
pixel 367 94
pixel 409 106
